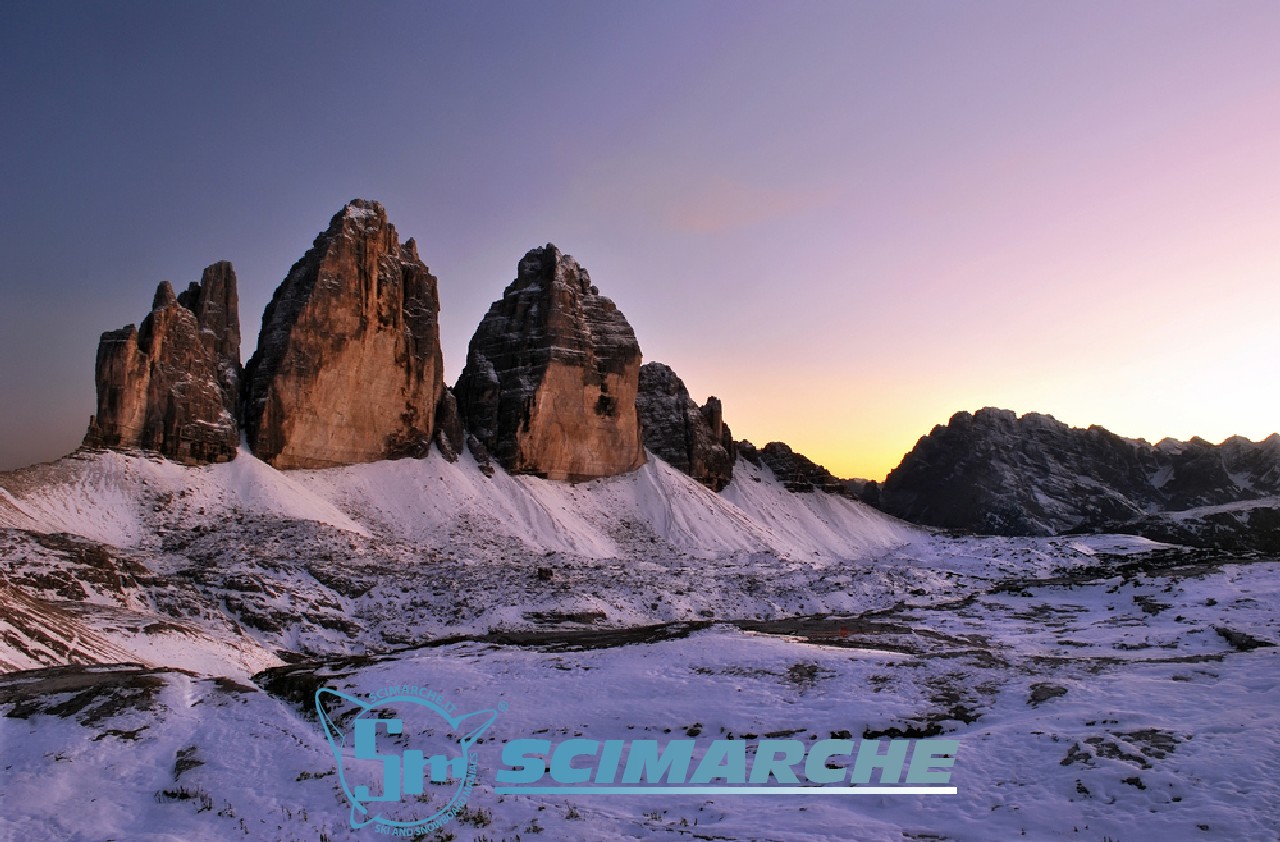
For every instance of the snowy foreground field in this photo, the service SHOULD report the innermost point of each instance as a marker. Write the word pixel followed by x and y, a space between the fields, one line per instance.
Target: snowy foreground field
pixel 163 629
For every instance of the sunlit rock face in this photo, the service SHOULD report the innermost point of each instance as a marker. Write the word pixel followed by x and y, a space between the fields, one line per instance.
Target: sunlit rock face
pixel 550 382
pixel 689 437
pixel 172 385
pixel 348 367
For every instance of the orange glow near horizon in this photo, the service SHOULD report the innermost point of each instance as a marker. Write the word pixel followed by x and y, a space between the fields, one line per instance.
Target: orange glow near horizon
pixel 1177 344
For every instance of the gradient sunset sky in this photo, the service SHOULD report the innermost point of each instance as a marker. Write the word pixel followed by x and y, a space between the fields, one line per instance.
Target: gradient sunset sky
pixel 847 220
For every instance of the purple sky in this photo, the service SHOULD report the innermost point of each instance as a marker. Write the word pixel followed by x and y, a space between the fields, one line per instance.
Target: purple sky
pixel 847 220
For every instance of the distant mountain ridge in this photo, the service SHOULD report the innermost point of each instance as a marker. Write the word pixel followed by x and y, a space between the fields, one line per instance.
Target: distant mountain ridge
pixel 993 472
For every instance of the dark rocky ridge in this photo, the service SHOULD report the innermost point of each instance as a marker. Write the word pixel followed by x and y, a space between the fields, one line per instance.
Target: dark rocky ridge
pixel 348 367
pixel 992 472
pixel 172 386
pixel 796 471
pixel 549 386
pixel 692 438
pixel 800 474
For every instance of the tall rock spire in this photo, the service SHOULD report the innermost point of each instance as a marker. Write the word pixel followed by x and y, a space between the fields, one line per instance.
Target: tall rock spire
pixel 348 367
pixel 549 386
pixel 172 386
pixel 216 305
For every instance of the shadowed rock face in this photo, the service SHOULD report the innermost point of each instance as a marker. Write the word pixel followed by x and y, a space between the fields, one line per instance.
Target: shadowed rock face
pixel 994 472
pixel 692 438
pixel 348 367
pixel 450 435
pixel 550 383
pixel 794 470
pixel 216 305
pixel 172 386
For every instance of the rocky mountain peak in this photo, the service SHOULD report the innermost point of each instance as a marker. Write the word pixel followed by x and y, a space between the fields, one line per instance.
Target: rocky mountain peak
pixel 348 367
pixel 172 386
pixel 216 303
pixel 164 296
pixel 358 214
pixel 795 471
pixel 549 386
pixel 994 472
pixel 549 264
pixel 692 438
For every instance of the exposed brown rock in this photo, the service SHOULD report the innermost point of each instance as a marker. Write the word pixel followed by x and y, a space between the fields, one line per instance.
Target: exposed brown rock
pixel 549 387
pixel 348 367
pixel 216 305
pixel 172 386
pixel 691 438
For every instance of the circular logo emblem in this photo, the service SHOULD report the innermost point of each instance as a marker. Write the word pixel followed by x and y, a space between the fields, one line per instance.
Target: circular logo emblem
pixel 405 757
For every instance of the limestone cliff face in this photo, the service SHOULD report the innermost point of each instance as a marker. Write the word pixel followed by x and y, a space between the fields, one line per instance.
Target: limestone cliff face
pixel 216 305
pixel 348 367
pixel 692 438
pixel 172 386
pixel 550 382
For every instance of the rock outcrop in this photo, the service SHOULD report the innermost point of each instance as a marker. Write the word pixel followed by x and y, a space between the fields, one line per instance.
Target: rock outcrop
pixel 1249 525
pixel 216 304
pixel 450 434
pixel 549 386
pixel 172 385
pixel 348 367
pixel 692 438
pixel 795 471
pixel 993 472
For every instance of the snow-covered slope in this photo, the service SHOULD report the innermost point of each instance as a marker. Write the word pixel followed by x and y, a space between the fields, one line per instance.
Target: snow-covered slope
pixel 1084 681
pixel 236 562
pixel 162 630
pixel 123 500
pixel 1246 525
pixel 126 501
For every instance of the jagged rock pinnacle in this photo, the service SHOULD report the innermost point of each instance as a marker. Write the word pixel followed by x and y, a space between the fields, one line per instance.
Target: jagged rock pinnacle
pixel 549 386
